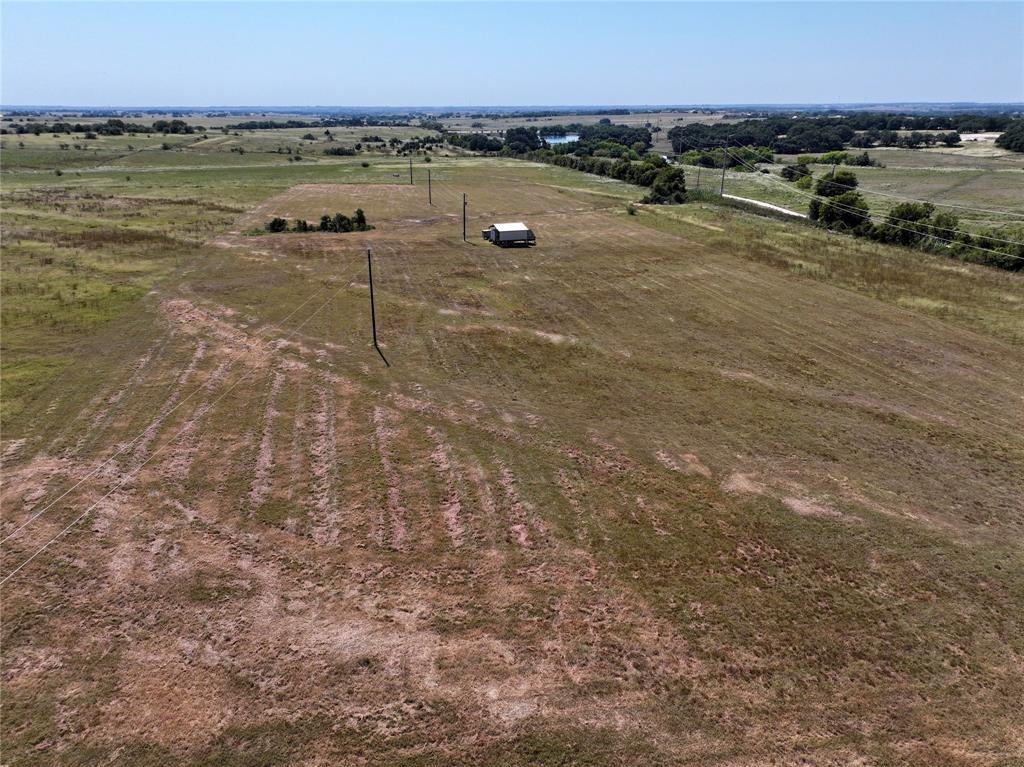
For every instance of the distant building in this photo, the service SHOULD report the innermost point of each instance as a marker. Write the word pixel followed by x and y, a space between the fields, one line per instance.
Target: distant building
pixel 509 235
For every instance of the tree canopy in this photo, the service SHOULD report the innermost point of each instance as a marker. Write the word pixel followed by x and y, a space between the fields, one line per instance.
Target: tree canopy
pixel 1013 137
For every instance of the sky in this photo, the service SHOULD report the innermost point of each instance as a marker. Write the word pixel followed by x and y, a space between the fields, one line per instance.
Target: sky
pixel 477 54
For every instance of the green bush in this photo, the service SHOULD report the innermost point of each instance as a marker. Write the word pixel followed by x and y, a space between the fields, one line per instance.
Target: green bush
pixel 836 183
pixel 669 187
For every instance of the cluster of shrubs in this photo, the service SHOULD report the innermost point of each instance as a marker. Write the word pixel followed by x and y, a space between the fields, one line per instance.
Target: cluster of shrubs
pixel 339 222
pixel 742 158
pixel 862 160
pixel 841 207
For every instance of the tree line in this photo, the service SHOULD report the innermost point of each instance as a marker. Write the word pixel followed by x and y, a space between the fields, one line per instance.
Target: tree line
pixel 339 222
pixel 324 122
pixel 808 133
pixel 839 206
pixel 113 127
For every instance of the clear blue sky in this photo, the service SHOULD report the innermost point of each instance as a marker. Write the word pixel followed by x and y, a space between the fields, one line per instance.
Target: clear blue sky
pixel 340 54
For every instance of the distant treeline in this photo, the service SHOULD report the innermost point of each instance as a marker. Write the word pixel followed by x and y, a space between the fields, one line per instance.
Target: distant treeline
pixel 796 135
pixel 115 127
pixel 532 114
pixel 326 122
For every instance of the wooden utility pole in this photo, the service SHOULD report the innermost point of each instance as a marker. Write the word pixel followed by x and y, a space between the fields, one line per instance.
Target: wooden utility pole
pixel 430 198
pixel 410 169
pixel 373 310
pixel 725 161
pixel 464 203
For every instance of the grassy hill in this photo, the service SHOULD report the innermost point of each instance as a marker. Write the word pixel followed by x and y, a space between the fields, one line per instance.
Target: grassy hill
pixel 685 486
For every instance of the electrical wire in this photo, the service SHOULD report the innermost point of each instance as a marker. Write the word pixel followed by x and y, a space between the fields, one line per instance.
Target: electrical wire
pixel 130 475
pixel 889 220
pixel 996 212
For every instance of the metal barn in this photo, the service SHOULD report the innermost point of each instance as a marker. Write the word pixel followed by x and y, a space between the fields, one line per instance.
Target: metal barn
pixel 509 235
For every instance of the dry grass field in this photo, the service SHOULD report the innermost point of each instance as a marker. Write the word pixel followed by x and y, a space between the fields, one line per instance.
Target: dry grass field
pixel 981 189
pixel 688 486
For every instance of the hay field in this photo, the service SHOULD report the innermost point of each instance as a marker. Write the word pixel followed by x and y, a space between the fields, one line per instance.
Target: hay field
pixel 686 486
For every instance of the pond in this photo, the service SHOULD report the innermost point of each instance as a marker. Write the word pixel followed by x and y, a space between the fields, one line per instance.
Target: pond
pixel 567 138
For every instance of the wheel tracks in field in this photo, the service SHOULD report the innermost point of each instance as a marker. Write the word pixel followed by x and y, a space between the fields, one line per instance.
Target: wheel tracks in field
pixel 179 462
pixel 324 467
pixel 141 451
pixel 391 530
pixel 853 359
pixel 880 372
pixel 105 404
pixel 451 504
pixel 125 479
pixel 261 482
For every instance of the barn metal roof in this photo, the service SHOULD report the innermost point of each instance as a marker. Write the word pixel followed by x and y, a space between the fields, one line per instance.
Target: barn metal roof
pixel 515 226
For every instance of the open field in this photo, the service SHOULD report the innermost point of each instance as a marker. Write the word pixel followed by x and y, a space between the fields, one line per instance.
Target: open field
pixel 978 189
pixel 688 486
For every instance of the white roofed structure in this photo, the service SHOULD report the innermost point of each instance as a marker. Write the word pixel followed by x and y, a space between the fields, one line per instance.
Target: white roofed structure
pixel 509 234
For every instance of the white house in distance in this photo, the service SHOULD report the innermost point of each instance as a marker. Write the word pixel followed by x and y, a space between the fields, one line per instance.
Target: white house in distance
pixel 509 235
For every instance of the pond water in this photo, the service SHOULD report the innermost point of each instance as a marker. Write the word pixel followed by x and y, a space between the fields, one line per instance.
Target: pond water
pixel 568 137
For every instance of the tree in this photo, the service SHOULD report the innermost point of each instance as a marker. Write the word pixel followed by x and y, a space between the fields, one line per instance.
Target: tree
pixel 837 183
pixel 795 172
pixel 1013 137
pixel 844 211
pixel 277 225
pixel 906 224
pixel 522 140
pixel 669 187
pixel 951 139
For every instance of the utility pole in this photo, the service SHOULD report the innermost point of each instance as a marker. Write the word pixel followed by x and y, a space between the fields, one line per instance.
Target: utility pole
pixel 430 198
pixel 725 161
pixel 698 177
pixel 464 203
pixel 373 310
pixel 410 169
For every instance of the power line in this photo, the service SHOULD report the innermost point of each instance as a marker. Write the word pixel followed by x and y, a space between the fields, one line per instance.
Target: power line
pixel 882 194
pixel 133 473
pixel 867 368
pixel 889 220
pixel 127 445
